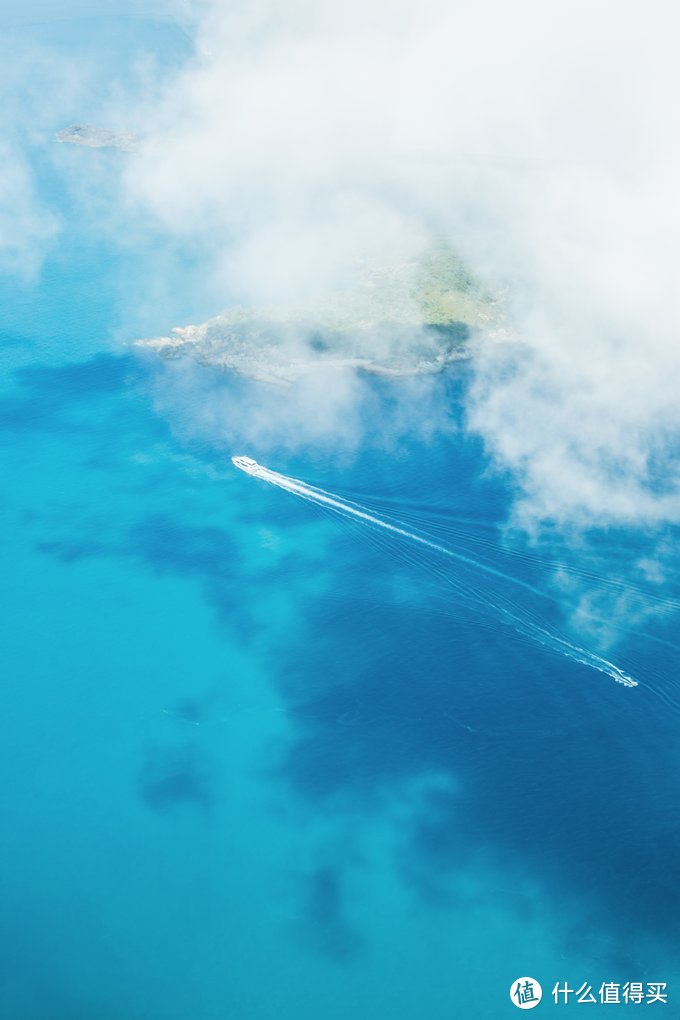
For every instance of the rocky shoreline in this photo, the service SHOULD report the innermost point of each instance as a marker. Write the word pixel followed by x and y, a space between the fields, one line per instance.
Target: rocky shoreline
pixel 413 318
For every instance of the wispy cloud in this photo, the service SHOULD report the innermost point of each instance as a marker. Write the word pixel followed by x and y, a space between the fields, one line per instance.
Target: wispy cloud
pixel 26 225
pixel 29 78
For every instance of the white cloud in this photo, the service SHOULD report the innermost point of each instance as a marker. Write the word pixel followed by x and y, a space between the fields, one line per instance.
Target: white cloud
pixel 77 58
pixel 540 139
pixel 325 411
pixel 26 225
pixel 30 80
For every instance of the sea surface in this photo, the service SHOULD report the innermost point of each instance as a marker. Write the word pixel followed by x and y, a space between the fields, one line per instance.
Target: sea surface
pixel 263 760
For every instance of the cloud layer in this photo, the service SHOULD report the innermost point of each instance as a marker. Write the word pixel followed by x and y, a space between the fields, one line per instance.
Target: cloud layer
pixel 27 223
pixel 537 139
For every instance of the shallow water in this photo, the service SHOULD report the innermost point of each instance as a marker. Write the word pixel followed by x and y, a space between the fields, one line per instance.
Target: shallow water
pixel 259 763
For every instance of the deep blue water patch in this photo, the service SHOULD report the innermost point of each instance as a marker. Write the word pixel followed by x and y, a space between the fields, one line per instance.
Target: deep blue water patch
pixel 559 774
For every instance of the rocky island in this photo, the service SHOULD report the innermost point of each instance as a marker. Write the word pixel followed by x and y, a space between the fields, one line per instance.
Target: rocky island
pixel 405 318
pixel 98 138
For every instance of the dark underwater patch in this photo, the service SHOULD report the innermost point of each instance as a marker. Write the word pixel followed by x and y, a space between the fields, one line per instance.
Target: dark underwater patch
pixel 176 776
pixel 170 545
pixel 73 551
pixel 46 392
pixel 324 925
pixel 101 374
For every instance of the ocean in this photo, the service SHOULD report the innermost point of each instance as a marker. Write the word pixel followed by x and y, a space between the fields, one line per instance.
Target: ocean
pixel 261 759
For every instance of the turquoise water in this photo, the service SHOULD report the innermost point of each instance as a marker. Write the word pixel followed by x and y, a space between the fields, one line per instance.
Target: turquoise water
pixel 261 761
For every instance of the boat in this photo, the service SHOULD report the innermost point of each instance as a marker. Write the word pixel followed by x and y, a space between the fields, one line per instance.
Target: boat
pixel 247 464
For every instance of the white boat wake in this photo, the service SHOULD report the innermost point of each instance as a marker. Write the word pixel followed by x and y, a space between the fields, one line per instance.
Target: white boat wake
pixel 539 633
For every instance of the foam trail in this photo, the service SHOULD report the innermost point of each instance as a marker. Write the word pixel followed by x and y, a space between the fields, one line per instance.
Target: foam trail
pixel 299 488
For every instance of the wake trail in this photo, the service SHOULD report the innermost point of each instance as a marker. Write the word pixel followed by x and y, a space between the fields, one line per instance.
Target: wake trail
pixel 539 633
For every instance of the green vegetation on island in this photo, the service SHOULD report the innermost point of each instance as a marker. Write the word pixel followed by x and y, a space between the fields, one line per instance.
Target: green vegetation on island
pixel 399 318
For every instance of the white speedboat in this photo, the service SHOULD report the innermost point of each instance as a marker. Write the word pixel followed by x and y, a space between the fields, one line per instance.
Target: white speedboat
pixel 247 464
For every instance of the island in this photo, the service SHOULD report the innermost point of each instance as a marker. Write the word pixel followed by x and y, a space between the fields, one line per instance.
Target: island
pixel 98 138
pixel 409 317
